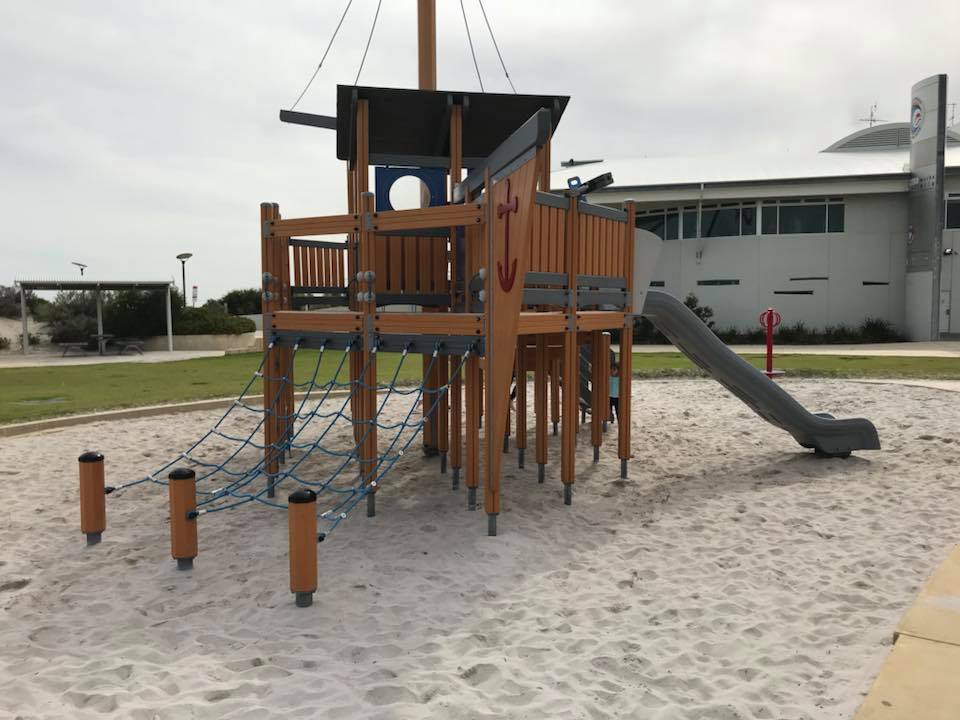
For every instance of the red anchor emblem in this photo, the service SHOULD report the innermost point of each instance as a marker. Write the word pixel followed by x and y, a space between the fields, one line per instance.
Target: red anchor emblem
pixel 511 206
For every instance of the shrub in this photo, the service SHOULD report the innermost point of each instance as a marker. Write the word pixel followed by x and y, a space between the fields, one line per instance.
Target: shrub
pixel 31 338
pixel 139 313
pixel 4 343
pixel 210 320
pixel 73 317
pixel 10 301
pixel 243 302
pixel 879 330
pixel 701 311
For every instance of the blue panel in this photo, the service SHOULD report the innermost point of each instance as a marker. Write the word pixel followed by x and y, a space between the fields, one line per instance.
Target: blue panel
pixel 434 178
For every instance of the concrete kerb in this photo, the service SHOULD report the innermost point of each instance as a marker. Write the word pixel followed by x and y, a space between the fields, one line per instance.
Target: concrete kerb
pixel 130 413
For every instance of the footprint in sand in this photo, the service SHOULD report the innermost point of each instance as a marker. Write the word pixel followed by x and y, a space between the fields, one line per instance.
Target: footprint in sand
pixel 12 585
pixel 480 673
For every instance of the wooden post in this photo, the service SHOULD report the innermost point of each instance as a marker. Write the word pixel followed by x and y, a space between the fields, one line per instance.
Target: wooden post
pixel 521 432
pixel 182 487
pixel 427 44
pixel 302 531
pixel 456 387
pixel 597 399
pixel 540 405
pixel 626 348
pixel 272 362
pixel 555 392
pixel 571 359
pixel 93 499
pixel 605 377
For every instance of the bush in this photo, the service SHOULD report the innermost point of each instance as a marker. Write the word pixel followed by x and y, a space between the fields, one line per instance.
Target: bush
pixel 210 320
pixel 10 301
pixel 4 343
pixel 31 338
pixel 702 312
pixel 879 330
pixel 139 313
pixel 73 317
pixel 243 302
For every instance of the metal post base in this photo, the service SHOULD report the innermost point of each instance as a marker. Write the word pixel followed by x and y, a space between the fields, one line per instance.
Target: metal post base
pixel 604 426
pixel 371 504
pixel 456 479
pixel 492 524
pixel 471 498
pixel 596 453
pixel 541 472
pixel 520 458
pixel 93 538
pixel 184 563
pixel 506 444
pixel 480 422
pixel 443 463
pixel 623 469
pixel 568 494
pixel 555 428
pixel 271 489
pixel 583 417
pixel 304 599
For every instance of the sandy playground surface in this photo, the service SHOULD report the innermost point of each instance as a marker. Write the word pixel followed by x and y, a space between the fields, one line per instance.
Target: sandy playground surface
pixel 733 576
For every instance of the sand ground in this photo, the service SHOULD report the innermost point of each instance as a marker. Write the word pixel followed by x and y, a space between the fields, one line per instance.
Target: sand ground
pixel 734 575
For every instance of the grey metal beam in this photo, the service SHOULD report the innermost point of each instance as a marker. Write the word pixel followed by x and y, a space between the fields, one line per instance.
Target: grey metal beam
pixel 602 211
pixel 301 118
pixel 534 133
pixel 541 296
pixel 601 281
pixel 552 200
pixel 304 242
pixel 545 278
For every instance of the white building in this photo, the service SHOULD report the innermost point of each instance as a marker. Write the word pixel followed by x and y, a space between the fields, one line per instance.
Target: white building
pixel 828 238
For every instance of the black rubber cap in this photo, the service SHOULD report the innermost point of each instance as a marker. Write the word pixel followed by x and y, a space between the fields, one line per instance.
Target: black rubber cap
pixel 301 496
pixel 91 456
pixel 182 474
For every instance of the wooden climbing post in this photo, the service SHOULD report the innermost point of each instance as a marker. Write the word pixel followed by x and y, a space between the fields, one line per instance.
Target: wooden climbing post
pixel 571 359
pixel 597 399
pixel 182 490
pixel 302 532
pixel 93 499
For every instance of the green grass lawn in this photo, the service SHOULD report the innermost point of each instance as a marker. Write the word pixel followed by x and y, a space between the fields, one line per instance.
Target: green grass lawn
pixel 34 393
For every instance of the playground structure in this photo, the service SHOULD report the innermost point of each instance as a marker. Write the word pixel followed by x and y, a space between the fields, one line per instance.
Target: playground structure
pixel 507 279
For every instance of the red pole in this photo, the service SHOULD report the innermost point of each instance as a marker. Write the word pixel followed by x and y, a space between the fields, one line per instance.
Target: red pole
pixel 769 324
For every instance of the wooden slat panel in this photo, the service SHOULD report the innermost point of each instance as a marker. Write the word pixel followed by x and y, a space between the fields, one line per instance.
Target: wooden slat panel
pixel 432 217
pixel 317 321
pixel 296 264
pixel 395 249
pixel 429 323
pixel 534 323
pixel 599 320
pixel 325 225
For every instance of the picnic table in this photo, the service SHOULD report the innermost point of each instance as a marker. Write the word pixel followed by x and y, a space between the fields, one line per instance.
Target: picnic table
pixel 80 347
pixel 102 340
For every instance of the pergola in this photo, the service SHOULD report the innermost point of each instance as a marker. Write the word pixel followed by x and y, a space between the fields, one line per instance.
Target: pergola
pixel 97 286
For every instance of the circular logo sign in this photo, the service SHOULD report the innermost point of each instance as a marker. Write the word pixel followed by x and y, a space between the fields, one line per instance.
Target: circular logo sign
pixel 916 116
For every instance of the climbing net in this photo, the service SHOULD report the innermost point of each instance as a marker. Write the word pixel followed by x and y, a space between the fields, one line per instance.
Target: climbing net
pixel 322 442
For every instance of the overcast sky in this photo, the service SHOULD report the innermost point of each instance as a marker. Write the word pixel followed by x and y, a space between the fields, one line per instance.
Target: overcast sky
pixel 133 131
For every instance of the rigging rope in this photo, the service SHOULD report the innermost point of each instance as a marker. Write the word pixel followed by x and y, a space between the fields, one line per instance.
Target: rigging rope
pixel 372 28
pixel 325 52
pixel 496 47
pixel 470 40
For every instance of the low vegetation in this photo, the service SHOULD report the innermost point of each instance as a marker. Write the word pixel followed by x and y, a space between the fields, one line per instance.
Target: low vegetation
pixel 39 392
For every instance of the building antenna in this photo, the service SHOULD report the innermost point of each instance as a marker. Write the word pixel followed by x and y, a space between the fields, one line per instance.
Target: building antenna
pixel 873 119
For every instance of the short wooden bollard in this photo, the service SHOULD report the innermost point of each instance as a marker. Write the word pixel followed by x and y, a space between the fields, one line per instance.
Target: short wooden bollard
pixel 93 499
pixel 302 522
pixel 183 522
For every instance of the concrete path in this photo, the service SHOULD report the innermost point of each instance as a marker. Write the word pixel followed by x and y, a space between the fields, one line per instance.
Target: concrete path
pixel 944 349
pixel 43 359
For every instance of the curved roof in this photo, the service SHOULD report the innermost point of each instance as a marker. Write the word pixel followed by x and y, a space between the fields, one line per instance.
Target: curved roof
pixel 888 136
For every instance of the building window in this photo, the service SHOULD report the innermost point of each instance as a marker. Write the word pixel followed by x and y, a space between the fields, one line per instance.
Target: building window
pixel 748 220
pixel 689 223
pixel 769 219
pixel 795 219
pixel 835 218
pixel 719 222
pixel 672 225
pixel 651 223
pixel 953 214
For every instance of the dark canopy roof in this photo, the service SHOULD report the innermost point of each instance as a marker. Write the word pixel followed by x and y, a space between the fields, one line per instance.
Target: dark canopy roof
pixel 413 126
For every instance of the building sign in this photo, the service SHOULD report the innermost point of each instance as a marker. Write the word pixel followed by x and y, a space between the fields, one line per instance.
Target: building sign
pixel 194 295
pixel 916 117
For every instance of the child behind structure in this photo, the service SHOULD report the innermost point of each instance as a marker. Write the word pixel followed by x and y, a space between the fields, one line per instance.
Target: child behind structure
pixel 615 392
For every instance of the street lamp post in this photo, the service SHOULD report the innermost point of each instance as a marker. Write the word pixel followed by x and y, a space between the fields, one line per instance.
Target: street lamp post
pixel 183 257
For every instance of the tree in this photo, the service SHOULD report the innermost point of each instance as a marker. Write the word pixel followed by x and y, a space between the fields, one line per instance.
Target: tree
pixel 703 312
pixel 243 302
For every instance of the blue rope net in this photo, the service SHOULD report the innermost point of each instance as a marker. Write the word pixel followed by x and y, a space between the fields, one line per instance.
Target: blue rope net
pixel 323 440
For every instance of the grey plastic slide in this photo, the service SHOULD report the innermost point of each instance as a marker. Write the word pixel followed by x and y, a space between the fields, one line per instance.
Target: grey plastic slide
pixel 771 402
